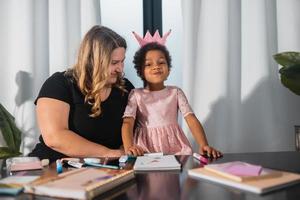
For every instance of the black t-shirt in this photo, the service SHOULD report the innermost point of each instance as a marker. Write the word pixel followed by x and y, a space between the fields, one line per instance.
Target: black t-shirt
pixel 104 129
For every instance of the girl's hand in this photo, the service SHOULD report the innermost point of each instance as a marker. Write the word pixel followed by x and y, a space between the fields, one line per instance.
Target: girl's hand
pixel 135 150
pixel 209 151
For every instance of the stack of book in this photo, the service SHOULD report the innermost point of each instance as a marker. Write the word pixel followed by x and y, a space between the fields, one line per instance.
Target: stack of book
pixel 23 163
pixel 13 185
pixel 245 176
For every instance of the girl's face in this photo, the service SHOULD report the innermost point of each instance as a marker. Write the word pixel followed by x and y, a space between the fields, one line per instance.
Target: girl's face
pixel 116 64
pixel 156 69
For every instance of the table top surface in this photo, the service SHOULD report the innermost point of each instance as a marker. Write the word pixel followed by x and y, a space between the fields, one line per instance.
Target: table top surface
pixel 178 185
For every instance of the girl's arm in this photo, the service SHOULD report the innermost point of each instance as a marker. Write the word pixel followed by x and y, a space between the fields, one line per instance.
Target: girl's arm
pixel 200 137
pixel 52 117
pixel 127 137
pixel 127 132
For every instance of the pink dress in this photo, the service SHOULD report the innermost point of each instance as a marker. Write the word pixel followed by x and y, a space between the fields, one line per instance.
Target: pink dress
pixel 156 113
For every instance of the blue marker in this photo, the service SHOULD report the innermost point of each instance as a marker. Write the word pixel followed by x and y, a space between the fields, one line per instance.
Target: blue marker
pixel 59 168
pixel 100 165
pixel 125 158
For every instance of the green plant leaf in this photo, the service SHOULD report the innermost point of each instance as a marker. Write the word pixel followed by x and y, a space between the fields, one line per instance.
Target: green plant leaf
pixel 290 72
pixel 292 84
pixel 10 132
pixel 287 59
pixel 6 152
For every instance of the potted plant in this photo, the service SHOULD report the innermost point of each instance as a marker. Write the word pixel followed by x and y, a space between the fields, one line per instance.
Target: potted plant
pixel 290 70
pixel 290 78
pixel 11 134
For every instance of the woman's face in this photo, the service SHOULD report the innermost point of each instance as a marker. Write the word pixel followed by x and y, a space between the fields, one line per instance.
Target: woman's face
pixel 116 64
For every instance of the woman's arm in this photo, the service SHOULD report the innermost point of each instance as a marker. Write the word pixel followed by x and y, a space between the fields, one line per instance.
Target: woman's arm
pixel 127 137
pixel 52 117
pixel 200 137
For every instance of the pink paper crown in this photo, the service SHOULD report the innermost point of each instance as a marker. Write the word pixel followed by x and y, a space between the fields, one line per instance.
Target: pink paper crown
pixel 149 38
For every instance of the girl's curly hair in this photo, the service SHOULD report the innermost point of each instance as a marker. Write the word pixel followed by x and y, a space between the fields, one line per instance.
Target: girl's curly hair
pixel 140 56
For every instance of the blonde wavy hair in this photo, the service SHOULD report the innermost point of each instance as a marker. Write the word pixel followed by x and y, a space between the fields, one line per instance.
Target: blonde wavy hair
pixel 92 68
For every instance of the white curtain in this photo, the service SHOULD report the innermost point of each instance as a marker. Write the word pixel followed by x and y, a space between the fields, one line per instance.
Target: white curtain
pixel 38 38
pixel 228 70
pixel 230 76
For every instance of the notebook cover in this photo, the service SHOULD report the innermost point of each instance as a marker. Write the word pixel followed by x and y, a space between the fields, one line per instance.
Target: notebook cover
pixel 156 163
pixel 241 171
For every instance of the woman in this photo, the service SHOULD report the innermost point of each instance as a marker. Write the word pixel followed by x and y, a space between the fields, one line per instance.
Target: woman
pixel 79 112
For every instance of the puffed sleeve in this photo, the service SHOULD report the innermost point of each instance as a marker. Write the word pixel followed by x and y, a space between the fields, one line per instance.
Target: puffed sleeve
pixel 131 107
pixel 183 103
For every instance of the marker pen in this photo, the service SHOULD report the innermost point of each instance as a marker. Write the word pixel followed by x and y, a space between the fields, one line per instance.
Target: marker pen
pixel 200 158
pixel 75 164
pixel 59 168
pixel 125 158
pixel 102 165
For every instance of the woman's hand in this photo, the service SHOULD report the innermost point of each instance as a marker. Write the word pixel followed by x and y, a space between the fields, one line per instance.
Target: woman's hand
pixel 209 151
pixel 115 153
pixel 135 150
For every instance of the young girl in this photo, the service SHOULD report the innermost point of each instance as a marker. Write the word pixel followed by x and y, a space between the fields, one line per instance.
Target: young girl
pixel 150 119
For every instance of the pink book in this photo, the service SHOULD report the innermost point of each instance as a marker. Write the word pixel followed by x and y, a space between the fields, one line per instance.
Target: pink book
pixel 241 171
pixel 23 163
